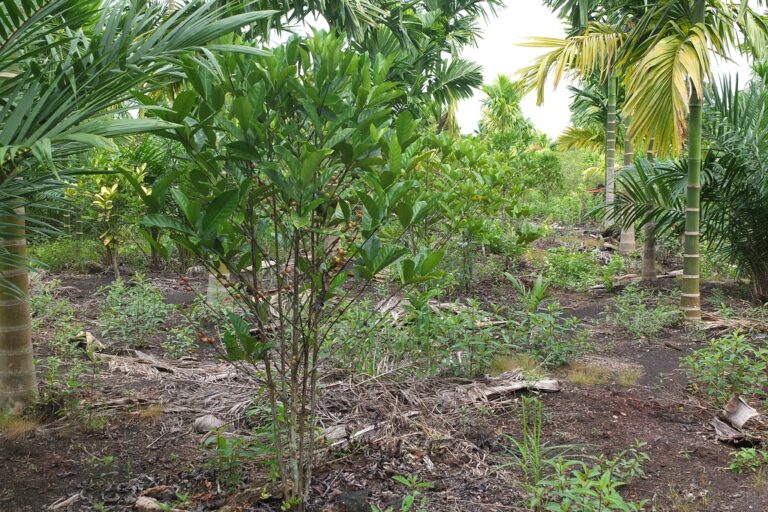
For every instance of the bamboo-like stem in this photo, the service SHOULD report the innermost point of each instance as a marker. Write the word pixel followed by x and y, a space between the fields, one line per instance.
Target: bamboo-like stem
pixel 18 386
pixel 610 147
pixel 690 300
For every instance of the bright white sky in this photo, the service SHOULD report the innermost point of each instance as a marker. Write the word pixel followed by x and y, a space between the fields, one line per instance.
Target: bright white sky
pixel 498 53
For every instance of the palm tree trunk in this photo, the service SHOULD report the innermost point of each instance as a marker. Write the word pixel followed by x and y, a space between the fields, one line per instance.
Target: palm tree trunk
pixel 18 386
pixel 649 252
pixel 627 240
pixel 690 300
pixel 649 244
pixel 610 146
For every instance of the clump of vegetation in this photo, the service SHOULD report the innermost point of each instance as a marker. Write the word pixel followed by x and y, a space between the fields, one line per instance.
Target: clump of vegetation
pixel 179 341
pixel 641 313
pixel 427 341
pixel 133 311
pixel 729 365
pixel 67 254
pixel 542 330
pixel 558 482
pixel 748 459
pixel 570 269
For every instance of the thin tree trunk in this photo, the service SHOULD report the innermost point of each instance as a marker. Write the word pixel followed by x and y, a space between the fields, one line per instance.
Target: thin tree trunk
pixel 18 386
pixel 649 244
pixel 627 240
pixel 649 252
pixel 690 300
pixel 155 258
pixel 610 147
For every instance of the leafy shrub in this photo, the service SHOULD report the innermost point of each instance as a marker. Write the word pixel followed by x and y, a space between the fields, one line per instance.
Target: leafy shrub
pixel 67 254
pixel 631 312
pixel 748 459
pixel 133 311
pixel 729 365
pixel 567 268
pixel 567 209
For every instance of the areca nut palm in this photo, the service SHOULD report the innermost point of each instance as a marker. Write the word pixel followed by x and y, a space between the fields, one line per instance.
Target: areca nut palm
pixel 67 69
pixel 671 50
pixel 592 52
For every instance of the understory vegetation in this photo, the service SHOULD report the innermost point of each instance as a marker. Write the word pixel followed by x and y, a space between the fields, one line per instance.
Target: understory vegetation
pixel 249 259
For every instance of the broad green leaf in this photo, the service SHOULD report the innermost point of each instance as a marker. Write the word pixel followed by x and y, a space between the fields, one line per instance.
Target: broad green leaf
pixel 219 210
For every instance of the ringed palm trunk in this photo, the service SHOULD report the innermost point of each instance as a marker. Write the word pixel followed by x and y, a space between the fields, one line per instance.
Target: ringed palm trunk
pixel 627 241
pixel 18 386
pixel 610 146
pixel 690 300
pixel 649 244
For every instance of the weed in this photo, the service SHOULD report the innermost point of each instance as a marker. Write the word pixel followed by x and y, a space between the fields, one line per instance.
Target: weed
pixel 105 464
pixel 632 313
pixel 748 459
pixel 530 367
pixel 627 378
pixel 67 254
pixel 179 342
pixel 547 335
pixel 729 365
pixel 133 311
pixel 614 267
pixel 555 483
pixel 415 496
pixel 426 340
pixel 588 375
pixel 570 269
pixel 153 411
pixel 229 455
pixel 15 427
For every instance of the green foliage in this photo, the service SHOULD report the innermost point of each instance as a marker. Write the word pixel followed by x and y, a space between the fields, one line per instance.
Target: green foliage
pixel 541 330
pixel 614 267
pixel 729 365
pixel 301 166
pixel 426 339
pixel 748 459
pixel 133 311
pixel 571 269
pixel 560 484
pixel 67 254
pixel 414 500
pixel 47 307
pixel 230 454
pixel 642 313
pixel 179 341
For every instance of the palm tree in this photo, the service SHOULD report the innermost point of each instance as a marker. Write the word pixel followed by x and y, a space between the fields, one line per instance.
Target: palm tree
pixel 669 51
pixel 68 68
pixel 589 54
pixel 734 172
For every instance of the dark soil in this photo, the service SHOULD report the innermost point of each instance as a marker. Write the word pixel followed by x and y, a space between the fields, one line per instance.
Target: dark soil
pixel 135 447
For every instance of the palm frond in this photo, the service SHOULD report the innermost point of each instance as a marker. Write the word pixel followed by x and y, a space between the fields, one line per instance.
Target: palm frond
pixel 658 87
pixel 594 51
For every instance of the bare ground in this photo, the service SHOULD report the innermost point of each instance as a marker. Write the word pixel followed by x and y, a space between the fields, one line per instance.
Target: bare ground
pixel 147 445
